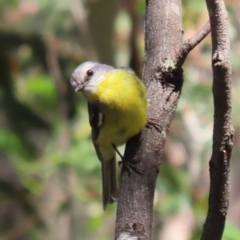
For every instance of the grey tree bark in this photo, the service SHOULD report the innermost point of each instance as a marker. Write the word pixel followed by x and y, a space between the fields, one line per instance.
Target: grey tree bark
pixel 163 39
pixel 223 128
pixel 163 76
pixel 165 54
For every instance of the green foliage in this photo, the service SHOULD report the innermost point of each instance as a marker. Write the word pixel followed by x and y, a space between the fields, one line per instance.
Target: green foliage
pixel 192 11
pixel 10 143
pixel 174 186
pixel 39 91
pixel 231 232
pixel 7 4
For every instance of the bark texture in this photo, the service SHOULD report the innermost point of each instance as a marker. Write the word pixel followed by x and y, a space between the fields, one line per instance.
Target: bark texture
pixel 163 40
pixel 223 129
pixel 165 54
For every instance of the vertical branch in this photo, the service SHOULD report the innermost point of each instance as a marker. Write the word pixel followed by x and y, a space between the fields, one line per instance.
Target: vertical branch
pixel 165 54
pixel 54 69
pixel 84 34
pixel 101 22
pixel 64 138
pixel 223 129
pixel 163 39
pixel 135 59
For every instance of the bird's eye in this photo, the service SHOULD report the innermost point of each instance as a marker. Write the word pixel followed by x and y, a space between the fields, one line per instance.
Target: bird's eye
pixel 89 73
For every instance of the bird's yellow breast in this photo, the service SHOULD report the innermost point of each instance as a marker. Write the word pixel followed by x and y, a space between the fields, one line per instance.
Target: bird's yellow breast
pixel 123 100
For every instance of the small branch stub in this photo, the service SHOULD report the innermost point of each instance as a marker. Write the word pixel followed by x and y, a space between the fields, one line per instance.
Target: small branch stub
pixel 191 43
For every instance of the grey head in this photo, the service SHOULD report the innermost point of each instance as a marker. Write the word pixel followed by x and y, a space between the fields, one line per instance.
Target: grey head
pixel 88 75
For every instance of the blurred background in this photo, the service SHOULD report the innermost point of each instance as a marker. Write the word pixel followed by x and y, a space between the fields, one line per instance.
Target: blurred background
pixel 50 181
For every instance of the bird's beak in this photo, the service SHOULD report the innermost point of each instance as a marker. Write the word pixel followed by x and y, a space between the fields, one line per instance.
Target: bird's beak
pixel 79 88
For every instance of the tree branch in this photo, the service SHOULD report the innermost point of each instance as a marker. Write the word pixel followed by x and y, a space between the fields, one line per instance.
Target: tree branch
pixel 163 39
pixel 191 43
pixel 223 129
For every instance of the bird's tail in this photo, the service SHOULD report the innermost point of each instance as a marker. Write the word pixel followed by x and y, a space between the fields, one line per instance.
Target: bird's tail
pixel 109 182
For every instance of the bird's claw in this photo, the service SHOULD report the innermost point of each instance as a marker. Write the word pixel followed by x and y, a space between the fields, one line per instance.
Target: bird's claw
pixel 130 166
pixel 153 123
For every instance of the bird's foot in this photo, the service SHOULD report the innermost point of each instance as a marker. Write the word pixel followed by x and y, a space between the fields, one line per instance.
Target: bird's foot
pixel 130 166
pixel 154 123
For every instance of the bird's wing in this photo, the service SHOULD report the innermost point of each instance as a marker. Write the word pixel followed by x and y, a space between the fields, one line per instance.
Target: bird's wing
pixel 95 119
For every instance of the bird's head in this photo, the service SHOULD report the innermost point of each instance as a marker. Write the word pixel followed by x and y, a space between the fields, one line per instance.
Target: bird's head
pixel 87 76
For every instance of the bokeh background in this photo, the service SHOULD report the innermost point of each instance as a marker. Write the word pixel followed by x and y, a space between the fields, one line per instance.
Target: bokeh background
pixel 50 182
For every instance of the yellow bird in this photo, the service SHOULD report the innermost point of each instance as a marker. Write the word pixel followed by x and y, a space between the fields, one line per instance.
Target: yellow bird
pixel 117 104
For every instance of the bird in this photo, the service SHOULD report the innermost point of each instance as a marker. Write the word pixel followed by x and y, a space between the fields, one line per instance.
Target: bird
pixel 117 107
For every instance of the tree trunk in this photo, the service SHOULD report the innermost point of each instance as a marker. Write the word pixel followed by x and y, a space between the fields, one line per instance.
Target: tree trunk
pixel 163 40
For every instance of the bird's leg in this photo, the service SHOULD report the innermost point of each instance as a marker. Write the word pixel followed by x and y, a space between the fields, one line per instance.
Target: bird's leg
pixel 129 165
pixel 153 122
pixel 119 154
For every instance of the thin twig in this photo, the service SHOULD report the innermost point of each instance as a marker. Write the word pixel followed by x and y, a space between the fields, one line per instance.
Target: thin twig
pixel 223 129
pixel 191 43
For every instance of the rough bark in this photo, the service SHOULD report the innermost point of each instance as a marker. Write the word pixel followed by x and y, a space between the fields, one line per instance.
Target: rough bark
pixel 163 76
pixel 163 39
pixel 223 129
